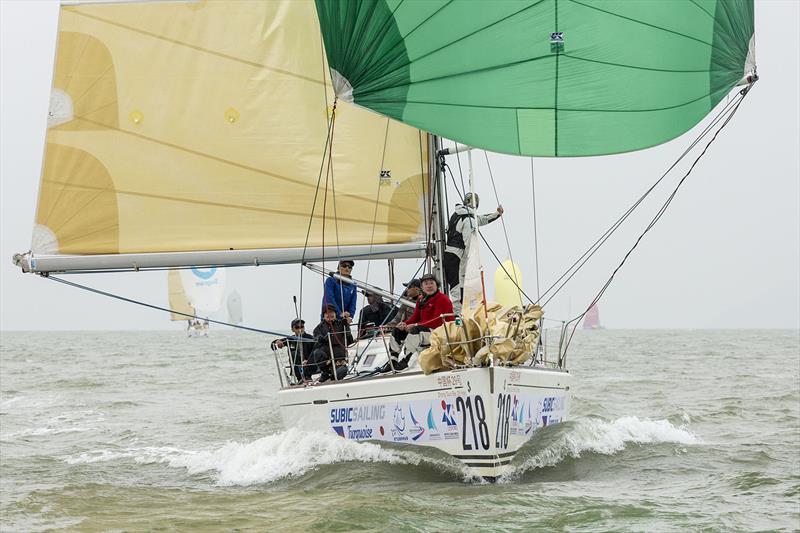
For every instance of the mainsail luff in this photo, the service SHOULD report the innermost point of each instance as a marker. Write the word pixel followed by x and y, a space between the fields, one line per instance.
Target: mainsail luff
pixel 199 128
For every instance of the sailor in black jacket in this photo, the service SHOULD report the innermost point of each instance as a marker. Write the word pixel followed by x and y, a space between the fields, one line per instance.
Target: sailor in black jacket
pixel 300 347
pixel 375 313
pixel 331 333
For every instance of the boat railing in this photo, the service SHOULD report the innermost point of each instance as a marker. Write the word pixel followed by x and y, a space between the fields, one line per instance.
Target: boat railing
pixel 548 354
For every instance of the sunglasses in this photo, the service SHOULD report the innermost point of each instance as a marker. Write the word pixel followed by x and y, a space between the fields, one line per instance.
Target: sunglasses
pixel 346 266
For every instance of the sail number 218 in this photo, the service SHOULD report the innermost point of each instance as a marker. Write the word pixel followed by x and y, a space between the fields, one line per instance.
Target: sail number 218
pixel 472 408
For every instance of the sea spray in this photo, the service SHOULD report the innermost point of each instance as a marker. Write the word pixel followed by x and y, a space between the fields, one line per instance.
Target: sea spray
pixel 594 435
pixel 289 453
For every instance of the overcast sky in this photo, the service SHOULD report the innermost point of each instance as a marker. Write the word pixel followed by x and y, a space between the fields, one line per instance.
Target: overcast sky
pixel 726 255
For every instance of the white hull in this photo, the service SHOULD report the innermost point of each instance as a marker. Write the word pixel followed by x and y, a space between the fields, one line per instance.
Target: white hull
pixel 195 332
pixel 480 416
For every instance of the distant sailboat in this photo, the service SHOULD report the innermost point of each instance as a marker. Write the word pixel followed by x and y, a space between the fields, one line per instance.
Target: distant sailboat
pixel 197 291
pixel 234 307
pixel 592 318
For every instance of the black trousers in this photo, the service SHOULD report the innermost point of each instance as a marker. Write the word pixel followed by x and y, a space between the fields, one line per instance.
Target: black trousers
pixel 320 361
pixel 452 264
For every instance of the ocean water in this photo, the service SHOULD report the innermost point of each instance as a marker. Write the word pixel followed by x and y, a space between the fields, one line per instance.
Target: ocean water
pixel 151 431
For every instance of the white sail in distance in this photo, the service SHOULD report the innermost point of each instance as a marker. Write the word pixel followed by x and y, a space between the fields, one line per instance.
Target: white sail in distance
pixel 204 288
pixel 234 303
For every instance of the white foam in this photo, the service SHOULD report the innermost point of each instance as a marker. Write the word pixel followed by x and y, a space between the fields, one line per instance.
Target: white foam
pixel 38 432
pixel 69 422
pixel 597 436
pixel 290 453
pixel 144 455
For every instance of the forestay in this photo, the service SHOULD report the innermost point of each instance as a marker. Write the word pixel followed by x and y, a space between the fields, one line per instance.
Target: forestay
pixel 182 128
pixel 541 77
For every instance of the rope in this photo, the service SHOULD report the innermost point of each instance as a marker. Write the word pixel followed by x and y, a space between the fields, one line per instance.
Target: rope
pixel 505 233
pixel 375 212
pixel 316 194
pixel 535 231
pixel 167 310
pixel 584 258
pixel 656 217
pixel 460 173
pixel 514 281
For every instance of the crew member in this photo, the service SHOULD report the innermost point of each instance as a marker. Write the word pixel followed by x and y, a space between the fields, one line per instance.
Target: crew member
pixel 374 314
pixel 432 310
pixel 340 294
pixel 300 347
pixel 460 228
pixel 413 292
pixel 331 334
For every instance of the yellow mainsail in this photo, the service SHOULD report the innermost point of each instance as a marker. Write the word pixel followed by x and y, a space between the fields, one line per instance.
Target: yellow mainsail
pixel 196 126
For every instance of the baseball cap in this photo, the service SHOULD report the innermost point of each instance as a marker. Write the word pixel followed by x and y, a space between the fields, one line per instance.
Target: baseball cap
pixel 429 276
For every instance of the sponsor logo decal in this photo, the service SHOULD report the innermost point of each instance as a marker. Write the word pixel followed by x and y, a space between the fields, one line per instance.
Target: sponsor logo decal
pixel 399 421
pixel 416 430
pixel 447 416
pixel 431 423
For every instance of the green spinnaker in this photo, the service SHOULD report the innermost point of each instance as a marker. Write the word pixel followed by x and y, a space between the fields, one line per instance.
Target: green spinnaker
pixel 541 77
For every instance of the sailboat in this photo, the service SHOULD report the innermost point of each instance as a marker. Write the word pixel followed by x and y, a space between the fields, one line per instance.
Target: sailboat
pixel 234 305
pixel 181 307
pixel 218 134
pixel 202 291
pixel 592 318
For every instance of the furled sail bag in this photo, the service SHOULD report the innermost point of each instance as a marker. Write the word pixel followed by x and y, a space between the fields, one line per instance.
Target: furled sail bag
pixel 507 335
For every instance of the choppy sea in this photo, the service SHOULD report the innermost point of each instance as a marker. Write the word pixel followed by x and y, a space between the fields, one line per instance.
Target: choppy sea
pixel 152 431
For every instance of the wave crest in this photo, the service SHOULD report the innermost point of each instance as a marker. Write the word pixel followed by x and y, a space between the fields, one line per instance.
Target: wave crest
pixel 592 435
pixel 290 453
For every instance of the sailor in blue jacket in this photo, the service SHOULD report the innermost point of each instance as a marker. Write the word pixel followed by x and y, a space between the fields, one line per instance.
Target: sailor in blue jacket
pixel 341 295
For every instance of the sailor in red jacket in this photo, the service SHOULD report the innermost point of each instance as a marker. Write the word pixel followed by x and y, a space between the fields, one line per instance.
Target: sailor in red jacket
pixel 432 310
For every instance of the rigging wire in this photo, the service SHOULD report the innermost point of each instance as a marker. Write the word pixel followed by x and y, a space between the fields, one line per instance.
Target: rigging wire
pixel 316 194
pixel 377 198
pixel 655 219
pixel 167 310
pixel 460 172
pixel 581 261
pixel 505 233
pixel 573 269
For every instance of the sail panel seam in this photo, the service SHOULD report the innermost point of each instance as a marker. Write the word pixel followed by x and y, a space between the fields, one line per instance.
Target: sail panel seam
pixel 643 23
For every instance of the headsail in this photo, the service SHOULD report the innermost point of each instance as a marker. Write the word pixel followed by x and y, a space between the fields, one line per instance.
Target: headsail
pixel 178 301
pixel 204 288
pixel 193 133
pixel 541 77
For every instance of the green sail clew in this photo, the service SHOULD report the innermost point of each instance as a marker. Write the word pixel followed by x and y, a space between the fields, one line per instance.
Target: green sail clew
pixel 541 77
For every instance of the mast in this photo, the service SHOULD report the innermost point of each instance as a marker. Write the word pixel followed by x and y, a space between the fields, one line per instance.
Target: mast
pixel 438 209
